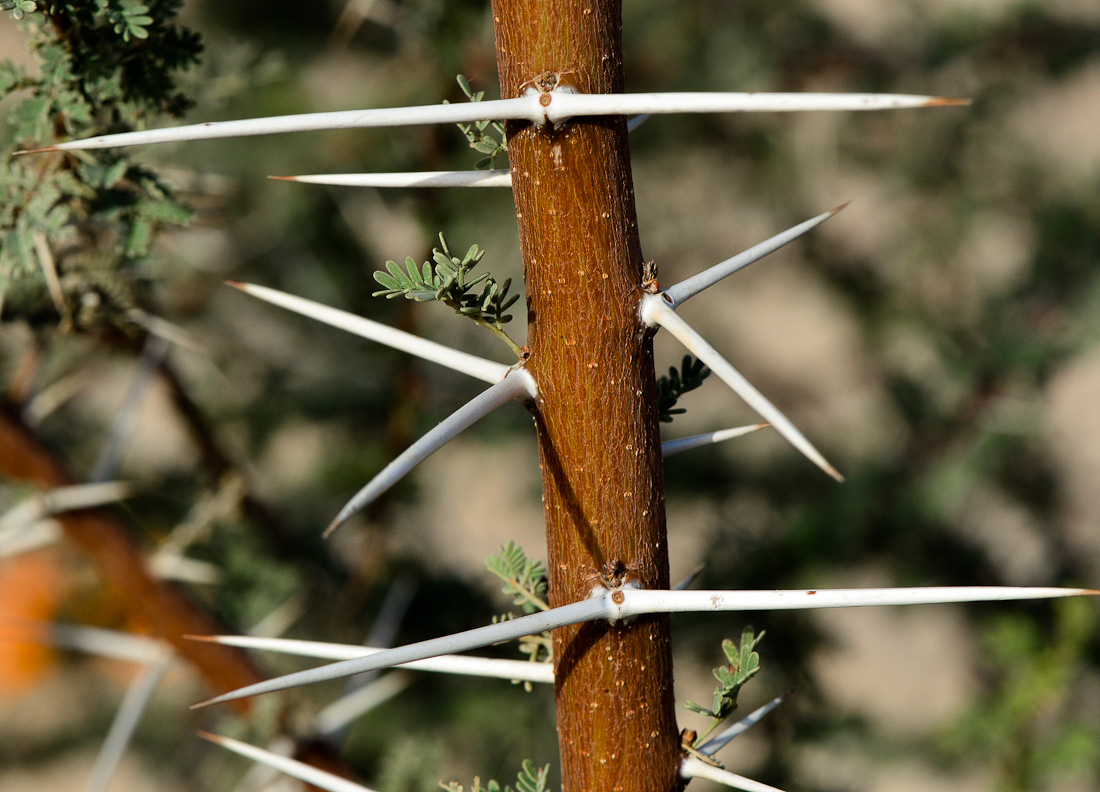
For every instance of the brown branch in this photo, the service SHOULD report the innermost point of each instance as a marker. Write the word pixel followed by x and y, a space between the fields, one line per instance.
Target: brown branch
pixel 157 606
pixel 599 441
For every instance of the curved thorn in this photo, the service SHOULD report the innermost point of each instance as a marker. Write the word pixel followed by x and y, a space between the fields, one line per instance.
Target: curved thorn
pixel 415 179
pixel 712 746
pixel 637 602
pixel 519 385
pixel 564 105
pixel 696 768
pixel 523 670
pixel 284 764
pixel 655 311
pixel 600 607
pixel 686 289
pixel 479 368
pixel 670 447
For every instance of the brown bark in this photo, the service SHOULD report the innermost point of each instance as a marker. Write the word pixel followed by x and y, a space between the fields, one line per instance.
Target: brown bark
pixel 596 414
pixel 159 607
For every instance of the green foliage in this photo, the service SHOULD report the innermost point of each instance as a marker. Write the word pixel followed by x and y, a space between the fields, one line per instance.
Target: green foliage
pixel 670 388
pixel 18 8
pixel 529 779
pixel 524 577
pixel 480 140
pixel 1014 726
pixel 449 282
pixel 744 663
pixel 88 218
pixel 525 580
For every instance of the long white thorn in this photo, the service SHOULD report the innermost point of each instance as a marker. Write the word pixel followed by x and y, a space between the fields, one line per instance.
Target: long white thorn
pixel 521 670
pixel 655 311
pixel 575 613
pixel 696 768
pixel 64 499
pixel 94 640
pixel 670 447
pixel 414 179
pixel 638 602
pixel 138 695
pixel 284 764
pixel 686 289
pixel 479 368
pixel 622 603
pixel 712 746
pixel 526 108
pixel 560 106
pixel 517 385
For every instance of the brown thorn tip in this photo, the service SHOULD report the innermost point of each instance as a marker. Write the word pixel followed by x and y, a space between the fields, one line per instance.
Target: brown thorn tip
pixel 832 471
pixel 208 736
pixel 943 101
pixel 42 150
pixel 331 529
pixel 203 638
pixel 235 284
pixel 841 207
pixel 284 178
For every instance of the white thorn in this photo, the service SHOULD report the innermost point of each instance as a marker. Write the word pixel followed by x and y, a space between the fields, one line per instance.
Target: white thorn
pixel 565 106
pixel 479 368
pixel 601 607
pixel 656 311
pixel 517 385
pixel 284 764
pixel 712 746
pixel 94 640
pixel 415 179
pixel 670 447
pixel 637 121
pixel 562 105
pixel 638 602
pixel 695 768
pixel 686 289
pixel 522 670
pixel 138 695
pixel 525 108
pixel 64 499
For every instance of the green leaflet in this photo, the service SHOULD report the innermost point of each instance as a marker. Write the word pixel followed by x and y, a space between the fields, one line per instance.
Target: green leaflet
pixel 670 388
pixel 113 69
pixel 449 280
pixel 529 779
pixel 744 663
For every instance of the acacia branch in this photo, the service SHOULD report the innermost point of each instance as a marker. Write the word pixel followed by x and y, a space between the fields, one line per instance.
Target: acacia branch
pixel 157 606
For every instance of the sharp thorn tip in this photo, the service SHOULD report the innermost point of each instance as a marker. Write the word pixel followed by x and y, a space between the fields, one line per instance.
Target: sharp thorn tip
pixel 284 178
pixel 841 207
pixel 203 638
pixel 944 101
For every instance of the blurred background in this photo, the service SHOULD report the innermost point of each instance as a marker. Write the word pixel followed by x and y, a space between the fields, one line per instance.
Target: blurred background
pixel 939 340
